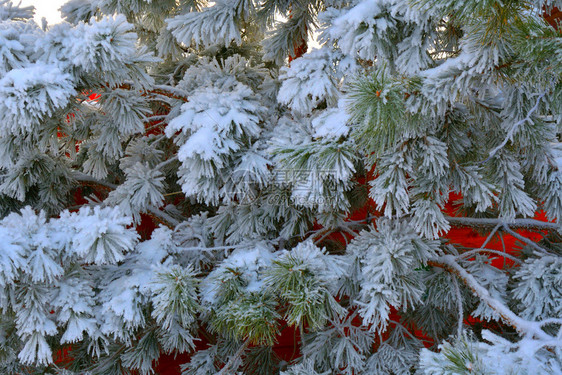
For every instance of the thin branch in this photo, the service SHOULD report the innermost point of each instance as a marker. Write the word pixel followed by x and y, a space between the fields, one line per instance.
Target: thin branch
pixel 474 222
pixel 449 263
pixel 164 90
pixel 467 254
pixel 158 139
pixel 156 96
pixel 321 231
pixel 157 125
pixel 490 236
pixel 155 118
pixel 174 193
pixel 234 357
pixel 348 231
pixel 166 162
pixel 406 331
pixel 179 93
pixel 459 306
pixel 163 216
pixel 199 248
pixel 326 235
pixel 511 131
pixel 167 219
pixel 503 247
pixel 550 321
pixel 524 239
pixel 492 222
pixel 79 176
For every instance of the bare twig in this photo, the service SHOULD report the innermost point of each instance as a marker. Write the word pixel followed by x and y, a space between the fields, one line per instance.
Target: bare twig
pixel 492 222
pixel 524 239
pixel 79 176
pixel 467 254
pixel 233 358
pixel 166 162
pixel 168 220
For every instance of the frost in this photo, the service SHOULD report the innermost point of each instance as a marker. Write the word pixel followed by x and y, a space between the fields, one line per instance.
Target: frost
pixel 102 236
pixel 312 194
pixel 215 124
pixel 538 288
pixel 11 257
pixel 215 25
pixel 29 94
pixel 332 123
pixel 245 265
pixel 386 260
pixel 500 357
pixel 308 82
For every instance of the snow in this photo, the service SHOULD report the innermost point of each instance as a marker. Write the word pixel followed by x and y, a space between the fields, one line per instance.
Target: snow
pixel 361 30
pixel 333 123
pixel 29 93
pixel 102 236
pixel 211 116
pixel 308 81
pixel 105 45
pixel 11 256
pixel 43 267
pixel 354 17
pixel 206 143
pixel 85 276
pixel 36 350
pixel 155 250
pixel 456 64
pixel 214 25
pixel 250 261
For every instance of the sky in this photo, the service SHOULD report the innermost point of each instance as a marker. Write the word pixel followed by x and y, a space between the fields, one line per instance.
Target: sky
pixel 45 8
pixel 50 10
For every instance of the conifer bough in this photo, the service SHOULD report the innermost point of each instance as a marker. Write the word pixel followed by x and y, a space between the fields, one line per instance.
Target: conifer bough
pixel 177 176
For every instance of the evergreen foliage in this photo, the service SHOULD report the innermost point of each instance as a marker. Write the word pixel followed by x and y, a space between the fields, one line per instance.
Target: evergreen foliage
pixel 251 158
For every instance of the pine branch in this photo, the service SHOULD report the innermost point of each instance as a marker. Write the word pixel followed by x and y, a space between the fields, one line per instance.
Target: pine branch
pixel 474 222
pixel 234 358
pixel 79 176
pixel 166 162
pixel 168 220
pixel 492 222
pixel 523 326
pixel 459 307
pixel 174 91
pixel 472 252
pixel 514 128
pixel 524 239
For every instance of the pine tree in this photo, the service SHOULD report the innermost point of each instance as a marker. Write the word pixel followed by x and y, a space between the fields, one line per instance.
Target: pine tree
pixel 311 190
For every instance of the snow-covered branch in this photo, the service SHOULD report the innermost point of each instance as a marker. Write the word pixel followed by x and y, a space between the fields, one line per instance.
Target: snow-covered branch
pixel 513 223
pixel 521 325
